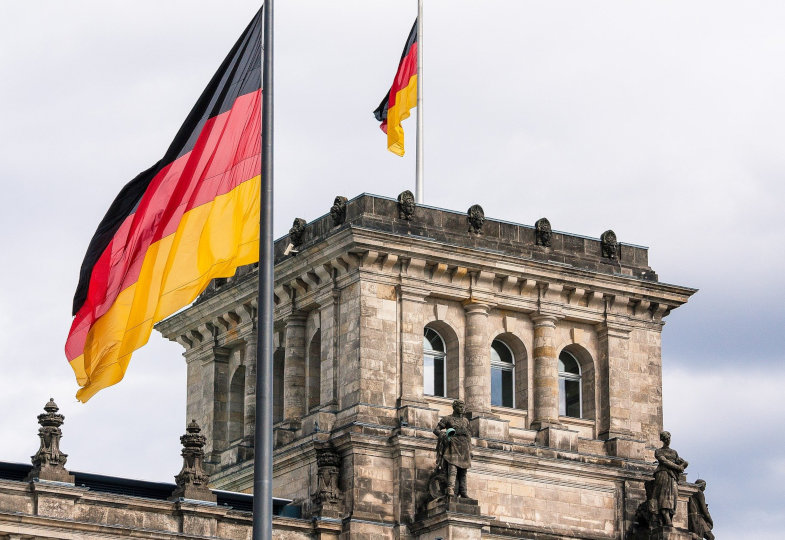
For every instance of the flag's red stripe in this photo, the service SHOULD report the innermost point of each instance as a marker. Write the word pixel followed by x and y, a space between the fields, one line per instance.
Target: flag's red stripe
pixel 406 70
pixel 226 154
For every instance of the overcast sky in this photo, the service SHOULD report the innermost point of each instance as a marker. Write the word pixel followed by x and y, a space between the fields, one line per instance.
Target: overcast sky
pixel 664 121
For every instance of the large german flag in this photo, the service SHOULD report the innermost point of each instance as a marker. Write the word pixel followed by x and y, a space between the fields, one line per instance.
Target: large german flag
pixel 402 96
pixel 191 217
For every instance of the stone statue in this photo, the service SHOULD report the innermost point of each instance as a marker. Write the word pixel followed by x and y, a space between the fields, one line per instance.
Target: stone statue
pixel 338 210
pixel 610 247
pixel 665 490
pixel 454 448
pixel 297 231
pixel 700 522
pixel 476 217
pixel 543 232
pixel 406 205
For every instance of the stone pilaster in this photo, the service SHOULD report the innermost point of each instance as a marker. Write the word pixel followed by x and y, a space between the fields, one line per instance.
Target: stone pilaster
pixel 412 328
pixel 615 398
pixel 546 374
pixel 294 369
pixel 328 306
pixel 477 358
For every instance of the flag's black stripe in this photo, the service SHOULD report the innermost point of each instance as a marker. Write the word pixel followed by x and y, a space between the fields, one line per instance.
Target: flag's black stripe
pixel 381 111
pixel 239 74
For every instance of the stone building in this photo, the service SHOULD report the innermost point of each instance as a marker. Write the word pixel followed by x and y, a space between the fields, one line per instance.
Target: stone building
pixel 384 313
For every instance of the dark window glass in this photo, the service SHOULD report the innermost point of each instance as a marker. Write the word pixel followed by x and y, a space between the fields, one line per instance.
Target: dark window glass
pixel 502 363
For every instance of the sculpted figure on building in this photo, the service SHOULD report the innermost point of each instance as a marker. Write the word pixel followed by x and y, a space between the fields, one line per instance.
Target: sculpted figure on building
pixel 666 481
pixel 454 448
pixel 338 210
pixel 476 218
pixel 406 205
pixel 700 521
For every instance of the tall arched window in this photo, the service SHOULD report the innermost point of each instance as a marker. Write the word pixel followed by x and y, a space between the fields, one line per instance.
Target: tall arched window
pixel 434 364
pixel 569 385
pixel 502 375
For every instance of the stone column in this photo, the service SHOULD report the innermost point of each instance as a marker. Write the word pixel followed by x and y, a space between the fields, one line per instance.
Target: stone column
pixel 546 373
pixel 294 369
pixel 477 358
pixel 412 328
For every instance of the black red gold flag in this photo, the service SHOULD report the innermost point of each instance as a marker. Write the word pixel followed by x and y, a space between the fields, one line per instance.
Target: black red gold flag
pixel 191 217
pixel 402 96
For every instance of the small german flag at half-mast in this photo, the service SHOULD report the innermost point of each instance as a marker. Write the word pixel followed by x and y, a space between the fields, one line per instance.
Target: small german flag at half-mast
pixel 191 217
pixel 402 96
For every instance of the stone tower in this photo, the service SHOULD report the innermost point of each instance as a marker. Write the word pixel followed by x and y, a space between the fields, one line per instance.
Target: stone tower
pixel 384 313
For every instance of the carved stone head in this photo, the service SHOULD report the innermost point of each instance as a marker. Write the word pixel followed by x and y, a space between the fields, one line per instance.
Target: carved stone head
pixel 543 232
pixel 476 218
pixel 338 211
pixel 297 231
pixel 406 205
pixel 665 437
pixel 701 484
pixel 458 407
pixel 610 247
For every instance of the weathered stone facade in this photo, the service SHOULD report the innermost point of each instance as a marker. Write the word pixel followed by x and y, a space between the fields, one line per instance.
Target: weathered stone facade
pixel 351 307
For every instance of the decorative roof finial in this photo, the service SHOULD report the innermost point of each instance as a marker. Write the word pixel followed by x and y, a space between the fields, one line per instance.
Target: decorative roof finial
pixel 192 480
pixel 49 461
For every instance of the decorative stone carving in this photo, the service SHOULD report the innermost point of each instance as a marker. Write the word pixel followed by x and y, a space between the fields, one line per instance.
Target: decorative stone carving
pixel 297 231
pixel 476 218
pixel 543 232
pixel 610 247
pixel 662 492
pixel 49 461
pixel 338 210
pixel 328 497
pixel 453 453
pixel 192 480
pixel 700 522
pixel 406 205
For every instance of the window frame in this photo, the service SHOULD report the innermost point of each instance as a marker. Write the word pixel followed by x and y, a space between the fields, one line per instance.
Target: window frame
pixel 442 355
pixel 566 376
pixel 504 366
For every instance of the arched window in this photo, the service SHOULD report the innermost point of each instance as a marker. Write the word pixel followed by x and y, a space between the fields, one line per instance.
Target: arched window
pixel 236 405
pixel 569 385
pixel 434 364
pixel 502 375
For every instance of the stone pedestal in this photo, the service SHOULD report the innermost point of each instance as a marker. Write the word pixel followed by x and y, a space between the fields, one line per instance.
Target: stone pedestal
pixel 558 437
pixel 450 517
pixel 486 427
pixel 626 448
pixel 669 533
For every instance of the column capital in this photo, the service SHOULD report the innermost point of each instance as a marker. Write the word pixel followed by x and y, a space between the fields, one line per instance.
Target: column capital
pixel 297 318
pixel 614 329
pixel 545 319
pixel 413 294
pixel 473 306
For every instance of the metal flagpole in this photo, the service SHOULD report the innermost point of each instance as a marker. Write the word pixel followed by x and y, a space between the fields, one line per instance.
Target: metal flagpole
pixel 263 433
pixel 419 195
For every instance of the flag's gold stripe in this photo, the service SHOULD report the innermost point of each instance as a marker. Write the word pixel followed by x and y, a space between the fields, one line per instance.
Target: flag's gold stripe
pixel 405 100
pixel 211 241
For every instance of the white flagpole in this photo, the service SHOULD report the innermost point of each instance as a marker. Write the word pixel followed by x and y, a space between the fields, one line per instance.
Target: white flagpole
pixel 419 194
